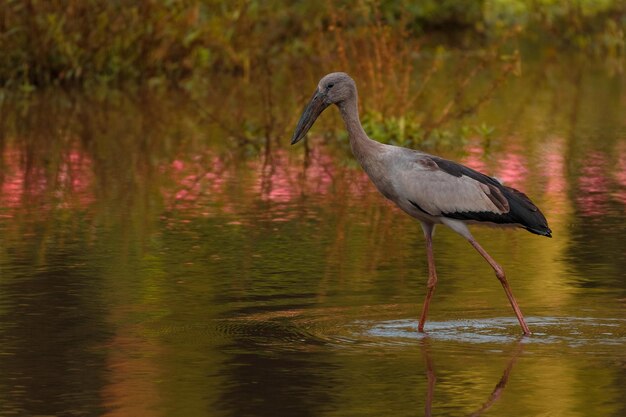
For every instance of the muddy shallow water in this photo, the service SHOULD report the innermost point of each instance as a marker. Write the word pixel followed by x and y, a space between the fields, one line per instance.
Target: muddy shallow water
pixel 148 267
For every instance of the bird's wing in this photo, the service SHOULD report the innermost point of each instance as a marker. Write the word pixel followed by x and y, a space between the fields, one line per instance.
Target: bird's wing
pixel 441 191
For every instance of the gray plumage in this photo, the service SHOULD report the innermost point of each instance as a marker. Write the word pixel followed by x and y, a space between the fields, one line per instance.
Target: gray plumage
pixel 429 188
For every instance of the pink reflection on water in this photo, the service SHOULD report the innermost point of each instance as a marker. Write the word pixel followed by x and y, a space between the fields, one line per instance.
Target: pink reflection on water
pixel 512 169
pixel 620 174
pixel 279 180
pixel 593 185
pixel 12 179
pixel 75 178
pixel 286 177
pixel 475 157
pixel 553 167
pixel 326 175
pixel 24 184
pixel 196 179
pixel 511 164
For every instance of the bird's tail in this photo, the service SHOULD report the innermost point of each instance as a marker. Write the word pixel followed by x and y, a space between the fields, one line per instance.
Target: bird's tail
pixel 540 230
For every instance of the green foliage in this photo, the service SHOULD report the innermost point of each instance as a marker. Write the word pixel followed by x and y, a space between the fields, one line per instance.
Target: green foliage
pixel 395 130
pixel 79 41
pixel 84 41
pixel 594 26
pixel 268 55
pixel 407 131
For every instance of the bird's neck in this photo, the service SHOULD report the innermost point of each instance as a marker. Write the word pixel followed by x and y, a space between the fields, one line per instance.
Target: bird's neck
pixel 361 144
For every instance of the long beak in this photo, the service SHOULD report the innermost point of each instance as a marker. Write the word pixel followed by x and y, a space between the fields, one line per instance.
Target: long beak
pixel 311 112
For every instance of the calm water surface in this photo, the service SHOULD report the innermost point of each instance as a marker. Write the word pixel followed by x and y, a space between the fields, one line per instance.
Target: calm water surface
pixel 148 267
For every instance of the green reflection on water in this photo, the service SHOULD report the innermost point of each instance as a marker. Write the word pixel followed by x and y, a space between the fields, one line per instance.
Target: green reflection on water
pixel 151 267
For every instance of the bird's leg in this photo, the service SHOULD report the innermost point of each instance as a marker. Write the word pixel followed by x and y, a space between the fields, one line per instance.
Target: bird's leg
pixel 501 385
pixel 430 377
pixel 502 278
pixel 432 274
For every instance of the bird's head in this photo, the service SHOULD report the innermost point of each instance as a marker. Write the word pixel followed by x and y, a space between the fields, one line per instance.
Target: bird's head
pixel 334 88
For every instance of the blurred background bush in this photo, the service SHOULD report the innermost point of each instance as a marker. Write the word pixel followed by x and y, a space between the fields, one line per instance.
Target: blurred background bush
pixel 155 42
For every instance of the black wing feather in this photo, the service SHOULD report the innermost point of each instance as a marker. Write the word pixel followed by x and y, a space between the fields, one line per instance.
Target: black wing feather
pixel 521 209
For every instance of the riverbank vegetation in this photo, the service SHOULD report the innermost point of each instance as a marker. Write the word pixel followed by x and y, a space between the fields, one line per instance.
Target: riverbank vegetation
pixel 78 42
pixel 269 54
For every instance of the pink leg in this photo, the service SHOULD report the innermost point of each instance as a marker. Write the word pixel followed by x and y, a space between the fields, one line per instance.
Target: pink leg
pixel 502 278
pixel 431 378
pixel 499 389
pixel 432 274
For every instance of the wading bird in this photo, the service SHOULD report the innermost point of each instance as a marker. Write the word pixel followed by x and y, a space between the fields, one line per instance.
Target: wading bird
pixel 429 188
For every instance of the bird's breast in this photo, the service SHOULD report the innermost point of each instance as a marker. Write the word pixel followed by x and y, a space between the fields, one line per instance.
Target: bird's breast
pixel 381 177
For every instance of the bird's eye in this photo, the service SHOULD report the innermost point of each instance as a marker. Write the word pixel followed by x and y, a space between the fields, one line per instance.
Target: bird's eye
pixel 329 86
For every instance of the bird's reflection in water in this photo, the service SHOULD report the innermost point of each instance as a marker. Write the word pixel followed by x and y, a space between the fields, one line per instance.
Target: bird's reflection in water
pixel 493 397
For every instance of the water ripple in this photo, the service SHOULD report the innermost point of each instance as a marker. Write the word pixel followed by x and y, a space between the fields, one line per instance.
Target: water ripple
pixel 571 331
pixel 304 332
